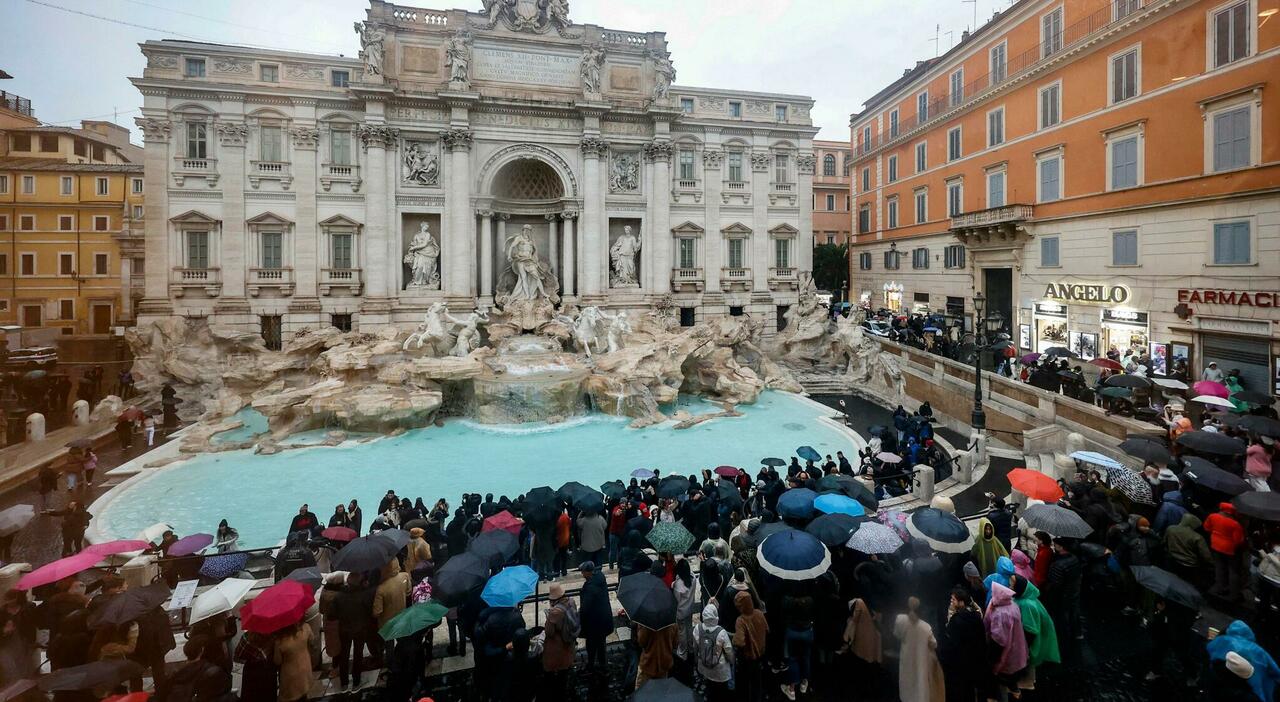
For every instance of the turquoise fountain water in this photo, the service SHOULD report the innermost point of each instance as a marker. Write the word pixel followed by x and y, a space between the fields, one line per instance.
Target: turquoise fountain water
pixel 258 494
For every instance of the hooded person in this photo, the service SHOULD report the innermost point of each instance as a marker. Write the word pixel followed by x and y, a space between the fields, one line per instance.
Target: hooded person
pixel 1170 512
pixel 987 548
pixel 1008 642
pixel 861 633
pixel 973 582
pixel 1240 639
pixel 713 649
pixel 1037 625
pixel 1022 564
pixel 418 550
pixel 749 637
pixel 1229 679
pixel 962 648
pixel 1226 537
pixel 725 600
pixel 1004 570
pixel 1186 553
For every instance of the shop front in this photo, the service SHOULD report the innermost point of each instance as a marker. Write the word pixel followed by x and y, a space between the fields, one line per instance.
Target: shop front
pixel 1049 323
pixel 892 295
pixel 1237 330
pixel 1124 329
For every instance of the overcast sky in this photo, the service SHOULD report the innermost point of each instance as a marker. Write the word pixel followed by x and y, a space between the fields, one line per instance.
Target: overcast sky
pixel 840 52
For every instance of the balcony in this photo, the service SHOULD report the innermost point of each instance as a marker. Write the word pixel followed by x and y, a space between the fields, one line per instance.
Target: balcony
pixel 735 279
pixel 687 189
pixel 331 173
pixel 783 279
pixel 348 279
pixel 280 279
pixel 15 103
pixel 184 167
pixel 736 188
pixel 782 192
pixel 270 170
pixel 997 227
pixel 687 280
pixel 207 279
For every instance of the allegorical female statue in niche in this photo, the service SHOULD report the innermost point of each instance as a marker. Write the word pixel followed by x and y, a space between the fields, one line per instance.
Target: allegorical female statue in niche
pixel 423 255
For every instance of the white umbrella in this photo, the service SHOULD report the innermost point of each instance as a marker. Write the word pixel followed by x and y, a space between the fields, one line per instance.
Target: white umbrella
pixel 887 457
pixel 1211 400
pixel 223 597
pixel 15 517
pixel 153 533
pixel 1170 383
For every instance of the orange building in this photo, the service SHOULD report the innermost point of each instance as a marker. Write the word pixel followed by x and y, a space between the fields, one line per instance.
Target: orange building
pixel 1105 172
pixel 832 222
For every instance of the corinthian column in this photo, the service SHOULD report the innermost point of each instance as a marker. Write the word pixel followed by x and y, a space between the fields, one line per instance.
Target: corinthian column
pixel 552 246
pixel 594 229
pixel 460 235
pixel 569 272
pixel 486 254
pixel 658 238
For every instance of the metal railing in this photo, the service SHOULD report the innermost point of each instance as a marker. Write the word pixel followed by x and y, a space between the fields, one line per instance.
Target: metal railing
pixel 15 103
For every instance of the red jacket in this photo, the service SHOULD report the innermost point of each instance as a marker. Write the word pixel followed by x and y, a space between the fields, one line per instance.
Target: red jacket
pixel 1044 557
pixel 1225 533
pixel 562 531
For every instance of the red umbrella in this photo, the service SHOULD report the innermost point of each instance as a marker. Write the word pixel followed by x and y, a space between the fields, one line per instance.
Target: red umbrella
pixel 132 414
pixel 343 534
pixel 59 569
pixel 503 520
pixel 728 471
pixel 112 548
pixel 1106 363
pixel 188 545
pixel 1209 387
pixel 1035 485
pixel 280 605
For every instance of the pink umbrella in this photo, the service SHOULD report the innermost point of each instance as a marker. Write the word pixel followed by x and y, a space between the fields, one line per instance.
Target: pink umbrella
pixel 338 533
pixel 59 569
pixel 188 545
pixel 727 471
pixel 1210 387
pixel 503 520
pixel 112 548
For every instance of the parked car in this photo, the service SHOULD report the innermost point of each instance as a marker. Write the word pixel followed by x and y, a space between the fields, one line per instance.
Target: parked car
pixel 36 357
pixel 877 328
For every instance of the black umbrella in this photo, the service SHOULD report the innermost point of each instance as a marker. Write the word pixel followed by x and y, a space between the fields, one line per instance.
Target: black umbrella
pixel 415 524
pixel 673 486
pixel 108 673
pixel 395 539
pixel 459 577
pixel 366 553
pixel 834 529
pixel 1148 450
pixel 1060 351
pixel 1207 475
pixel 1259 505
pixel 664 690
pixel 647 600
pixel 1070 375
pixel 589 501
pixel 1263 426
pixel 849 487
pixel 541 505
pixel 129 605
pixel 614 489
pixel 309 576
pixel 877 430
pixel 727 494
pixel 1211 442
pixel 775 462
pixel 1168 586
pixel 770 529
pixel 494 547
pixel 1253 397
pixel 1127 380
pixel 571 490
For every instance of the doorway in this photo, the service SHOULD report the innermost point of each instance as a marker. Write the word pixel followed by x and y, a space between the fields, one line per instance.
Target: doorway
pixel 271 331
pixel 997 284
pixel 100 318
pixel 32 315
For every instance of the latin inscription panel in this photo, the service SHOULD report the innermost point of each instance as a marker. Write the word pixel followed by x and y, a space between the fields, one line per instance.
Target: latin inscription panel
pixel 511 66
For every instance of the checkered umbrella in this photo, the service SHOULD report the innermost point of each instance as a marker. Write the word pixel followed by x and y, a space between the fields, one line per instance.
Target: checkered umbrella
pixel 873 537
pixel 1130 484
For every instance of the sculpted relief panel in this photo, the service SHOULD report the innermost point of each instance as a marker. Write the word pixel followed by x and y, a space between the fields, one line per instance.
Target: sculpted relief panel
pixel 421 163
pixel 624 172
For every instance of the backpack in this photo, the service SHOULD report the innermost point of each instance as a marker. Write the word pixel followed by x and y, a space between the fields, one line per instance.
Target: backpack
pixel 572 624
pixel 709 653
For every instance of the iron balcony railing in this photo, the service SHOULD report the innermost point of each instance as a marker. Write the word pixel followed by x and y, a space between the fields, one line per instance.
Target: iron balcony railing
pixel 15 103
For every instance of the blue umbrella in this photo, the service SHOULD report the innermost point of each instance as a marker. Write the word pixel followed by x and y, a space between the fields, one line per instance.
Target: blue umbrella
pixel 642 473
pixel 808 454
pixel 224 565
pixel 943 531
pixel 797 503
pixel 793 555
pixel 832 503
pixel 510 586
pixel 932 330
pixel 1096 459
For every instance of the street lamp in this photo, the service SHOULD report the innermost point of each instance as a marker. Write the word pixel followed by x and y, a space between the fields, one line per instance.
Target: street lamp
pixel 979 419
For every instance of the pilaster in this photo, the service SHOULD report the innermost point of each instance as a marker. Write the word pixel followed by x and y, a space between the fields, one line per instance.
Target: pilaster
pixel 306 234
pixel 486 255
pixel 658 238
pixel 233 254
pixel 460 234
pixel 569 276
pixel 760 162
pixel 156 241
pixel 594 226
pixel 712 243
pixel 376 138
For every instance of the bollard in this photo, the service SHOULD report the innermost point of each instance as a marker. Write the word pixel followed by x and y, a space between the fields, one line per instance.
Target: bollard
pixel 35 426
pixel 80 413
pixel 923 488
pixel 964 467
pixel 979 442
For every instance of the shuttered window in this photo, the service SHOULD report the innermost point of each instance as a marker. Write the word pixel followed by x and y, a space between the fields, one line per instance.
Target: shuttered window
pixel 1124 248
pixel 1231 139
pixel 1124 162
pixel 1231 243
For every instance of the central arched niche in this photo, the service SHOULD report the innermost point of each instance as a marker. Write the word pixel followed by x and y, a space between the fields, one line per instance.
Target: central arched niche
pixel 527 180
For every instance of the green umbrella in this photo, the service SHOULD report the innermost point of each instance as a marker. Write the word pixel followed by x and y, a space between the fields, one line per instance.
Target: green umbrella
pixel 413 620
pixel 670 537
pixel 1117 392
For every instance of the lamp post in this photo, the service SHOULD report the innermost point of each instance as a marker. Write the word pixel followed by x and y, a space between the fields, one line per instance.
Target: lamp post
pixel 979 419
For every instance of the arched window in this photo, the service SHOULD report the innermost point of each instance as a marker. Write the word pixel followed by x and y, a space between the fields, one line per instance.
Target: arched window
pixel 828 165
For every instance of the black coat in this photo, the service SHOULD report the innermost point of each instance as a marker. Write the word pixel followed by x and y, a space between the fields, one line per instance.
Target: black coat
pixel 353 608
pixel 962 647
pixel 594 609
pixel 1062 583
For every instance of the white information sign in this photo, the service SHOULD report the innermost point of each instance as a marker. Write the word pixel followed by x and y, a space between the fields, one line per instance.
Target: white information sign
pixel 183 594
pixel 512 66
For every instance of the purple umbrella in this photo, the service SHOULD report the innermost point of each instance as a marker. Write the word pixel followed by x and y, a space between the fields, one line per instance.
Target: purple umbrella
pixel 188 545
pixel 1029 358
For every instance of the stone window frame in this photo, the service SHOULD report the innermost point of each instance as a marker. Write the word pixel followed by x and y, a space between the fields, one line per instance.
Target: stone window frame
pixel 341 224
pixel 1250 97
pixel 740 231
pixel 743 151
pixel 195 221
pixel 788 151
pixel 788 233
pixel 684 142
pixel 270 222
pixel 1122 133
pixel 190 113
pixel 268 118
pixel 692 232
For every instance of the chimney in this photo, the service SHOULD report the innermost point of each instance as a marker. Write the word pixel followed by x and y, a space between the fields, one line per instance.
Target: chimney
pixel 964 36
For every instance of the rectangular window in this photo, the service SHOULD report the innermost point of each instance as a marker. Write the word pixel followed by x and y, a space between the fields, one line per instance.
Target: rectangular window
pixel 4 223
pixel 953 256
pixel 781 253
pixel 4 184
pixel 1124 162
pixel 66 223
pixel 1124 248
pixel 957 87
pixel 101 223
pixel 831 203
pixel 1123 8
pixel 98 152
pixel 999 63
pixel 271 143
pixel 893 169
pixel 137 186
pixel 780 113
pixel 197 140
pixel 1231 147
pixel 780 174
pixel 866 180
pixel 686 165
pixel 269 73
pixel 735 108
pixel 922 158
pixel 272 249
pixel 197 249
pixel 27 263
pixel 66 264
pixel 1050 105
pixel 28 185
pixel 864 261
pixel 27 223
pixel 1050 178
pixel 922 206
pixel 341 322
pixel 49 143
pixel 953 144
pixel 995 127
pixel 736 250
pixel 21 142
pixel 66 183
pixel 920 258
pixel 103 186
pixel 922 107
pixel 4 264
pixel 339 79
pixel 686 105
pixel 1231 243
pixel 342 259
pixel 1124 76
pixel 735 166
pixel 101 262
pixel 1231 34
pixel 194 68
pixel 866 139
pixel 137 212
pixel 864 219
pixel 1049 252
pixel 1051 33
pixel 891 260
pixel 687 253
pixel 66 309
pixel 891 206
pixel 955 199
pixel 80 148
pixel 893 124
pixel 340 147
pixel 995 189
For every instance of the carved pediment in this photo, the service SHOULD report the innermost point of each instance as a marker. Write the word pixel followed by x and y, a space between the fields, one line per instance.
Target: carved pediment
pixel 737 229
pixel 338 221
pixel 194 217
pixel 269 219
pixel 783 231
pixel 688 229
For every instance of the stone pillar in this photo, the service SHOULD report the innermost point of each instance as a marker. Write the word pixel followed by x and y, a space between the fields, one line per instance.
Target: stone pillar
pixel 570 268
pixel 802 253
pixel 376 138
pixel 232 258
pixel 306 230
pixel 157 237
pixel 923 486
pixel 553 258
pixel 594 229
pixel 460 233
pixel 126 297
pixel 486 254
pixel 80 413
pixel 658 238
pixel 712 243
pixel 35 426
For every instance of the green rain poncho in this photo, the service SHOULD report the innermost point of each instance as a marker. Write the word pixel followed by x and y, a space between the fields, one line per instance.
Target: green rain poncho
pixel 1042 637
pixel 987 549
